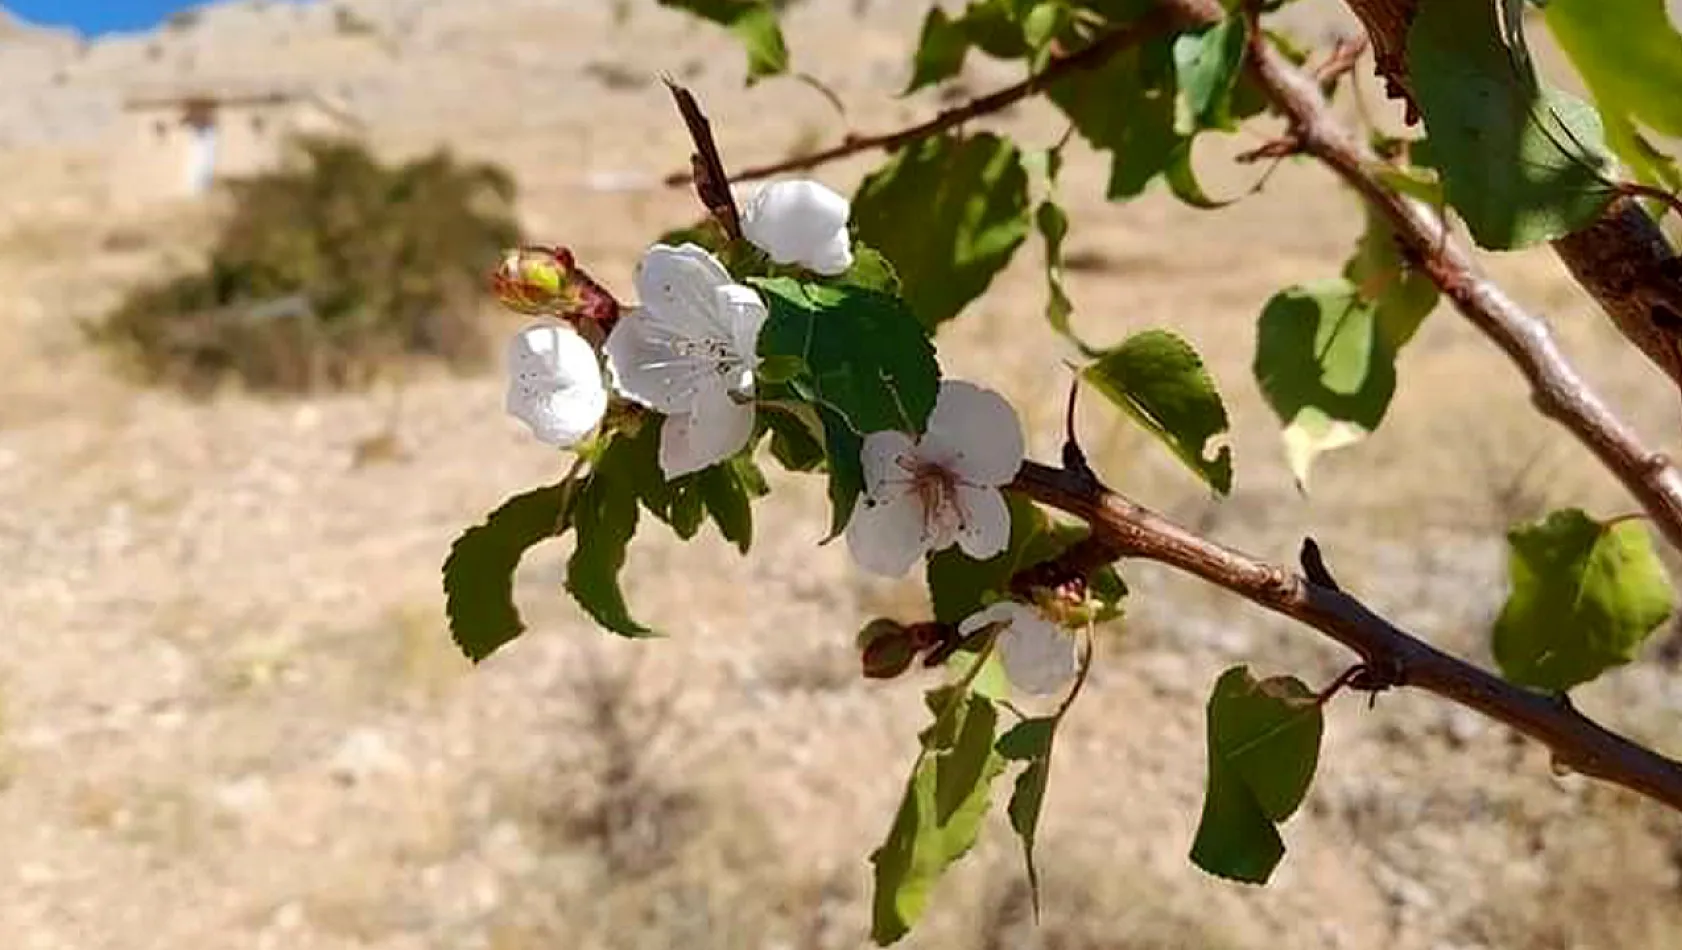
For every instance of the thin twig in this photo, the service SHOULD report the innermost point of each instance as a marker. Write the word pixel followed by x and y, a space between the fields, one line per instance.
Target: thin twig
pixel 1393 656
pixel 1092 55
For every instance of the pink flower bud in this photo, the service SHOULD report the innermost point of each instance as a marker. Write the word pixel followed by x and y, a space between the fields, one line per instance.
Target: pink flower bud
pixel 545 281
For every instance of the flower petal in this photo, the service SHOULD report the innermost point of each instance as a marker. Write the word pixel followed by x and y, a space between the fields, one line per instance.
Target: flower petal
pixel 974 434
pixel 646 367
pixel 554 384
pixel 1003 612
pixel 885 534
pixel 884 457
pixel 744 311
pixel 1038 657
pixel 834 257
pixel 717 428
pixel 793 221
pixel 678 286
pixel 984 526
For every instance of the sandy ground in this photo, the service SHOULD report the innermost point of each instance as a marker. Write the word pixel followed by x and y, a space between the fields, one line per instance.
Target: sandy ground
pixel 230 715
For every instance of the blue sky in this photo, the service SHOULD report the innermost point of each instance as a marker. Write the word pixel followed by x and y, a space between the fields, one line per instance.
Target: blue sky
pixel 92 17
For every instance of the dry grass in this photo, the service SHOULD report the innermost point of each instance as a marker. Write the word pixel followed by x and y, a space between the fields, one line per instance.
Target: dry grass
pixel 242 606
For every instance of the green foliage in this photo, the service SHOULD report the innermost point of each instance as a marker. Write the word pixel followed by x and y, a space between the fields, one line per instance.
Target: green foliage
pixel 479 573
pixel 1326 367
pixel 1264 744
pixel 1209 64
pixel 754 22
pixel 940 814
pixel 1585 595
pixel 604 518
pixel 1521 162
pixel 1029 741
pixel 969 197
pixel 941 50
pixel 1126 107
pixel 1402 296
pixel 1161 382
pixel 1630 56
pixel 325 271
pixel 868 367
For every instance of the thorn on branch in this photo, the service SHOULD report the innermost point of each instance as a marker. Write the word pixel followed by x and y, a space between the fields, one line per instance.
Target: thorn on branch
pixel 1314 566
pixel 1074 457
pixel 1362 678
pixel 712 185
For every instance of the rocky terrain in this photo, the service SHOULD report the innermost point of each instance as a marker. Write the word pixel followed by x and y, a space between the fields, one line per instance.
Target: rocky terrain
pixel 230 714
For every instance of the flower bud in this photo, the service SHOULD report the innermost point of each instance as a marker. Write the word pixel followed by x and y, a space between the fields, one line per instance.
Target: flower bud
pixel 885 649
pixel 544 280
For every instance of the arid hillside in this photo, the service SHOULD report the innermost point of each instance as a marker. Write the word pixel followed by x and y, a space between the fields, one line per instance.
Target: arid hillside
pixel 231 716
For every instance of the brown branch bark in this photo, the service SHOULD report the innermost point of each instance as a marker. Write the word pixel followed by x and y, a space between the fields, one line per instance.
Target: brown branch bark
pixel 1394 657
pixel 1622 259
pixel 1556 388
pixel 1087 57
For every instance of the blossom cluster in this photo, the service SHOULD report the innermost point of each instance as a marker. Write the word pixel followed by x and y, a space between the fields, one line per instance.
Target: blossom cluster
pixel 689 352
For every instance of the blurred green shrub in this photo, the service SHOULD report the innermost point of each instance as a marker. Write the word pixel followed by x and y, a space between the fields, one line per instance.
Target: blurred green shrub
pixel 326 271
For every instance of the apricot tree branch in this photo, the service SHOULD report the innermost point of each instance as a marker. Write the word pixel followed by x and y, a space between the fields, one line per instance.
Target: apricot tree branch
pixel 1556 388
pixel 1392 657
pixel 1094 54
pixel 1621 258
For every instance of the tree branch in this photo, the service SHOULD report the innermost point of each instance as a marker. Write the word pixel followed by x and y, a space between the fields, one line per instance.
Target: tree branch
pixel 1393 656
pixel 1095 54
pixel 1622 258
pixel 1556 388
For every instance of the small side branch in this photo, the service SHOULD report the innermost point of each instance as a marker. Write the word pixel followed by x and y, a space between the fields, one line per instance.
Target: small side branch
pixel 1556 388
pixel 1394 657
pixel 1621 258
pixel 1090 56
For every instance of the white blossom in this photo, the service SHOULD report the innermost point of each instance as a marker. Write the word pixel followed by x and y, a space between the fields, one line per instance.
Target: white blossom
pixel 689 351
pixel 800 222
pixel 926 494
pixel 1038 656
pixel 555 383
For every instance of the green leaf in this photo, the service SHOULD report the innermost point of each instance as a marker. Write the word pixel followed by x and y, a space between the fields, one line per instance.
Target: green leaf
pixel 872 271
pixel 1053 226
pixel 755 24
pixel 941 50
pixel 867 358
pixel 728 491
pixel 479 573
pixel 939 817
pixel 842 448
pixel 1182 180
pixel 1628 53
pixel 797 436
pixel 1125 107
pixel 1630 57
pixel 968 200
pixel 1402 295
pixel 1030 741
pixel 1325 366
pixel 604 518
pixel 1521 162
pixel 1159 380
pixel 1264 744
pixel 1585 595
pixel 1209 64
